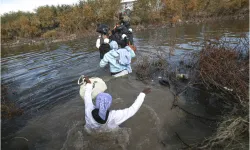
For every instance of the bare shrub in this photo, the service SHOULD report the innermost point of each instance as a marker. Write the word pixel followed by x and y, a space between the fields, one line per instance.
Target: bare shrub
pixel 225 72
pixel 146 66
pixel 135 20
pixel 220 68
pixel 232 133
pixel 143 68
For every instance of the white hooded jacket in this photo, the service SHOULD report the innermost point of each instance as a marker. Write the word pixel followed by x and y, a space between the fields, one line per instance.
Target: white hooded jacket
pixel 115 118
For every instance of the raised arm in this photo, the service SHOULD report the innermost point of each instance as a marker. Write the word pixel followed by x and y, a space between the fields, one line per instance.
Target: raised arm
pixel 132 53
pixel 122 115
pixel 87 96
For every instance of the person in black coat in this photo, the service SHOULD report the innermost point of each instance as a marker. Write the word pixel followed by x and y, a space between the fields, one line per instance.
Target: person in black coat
pixel 104 47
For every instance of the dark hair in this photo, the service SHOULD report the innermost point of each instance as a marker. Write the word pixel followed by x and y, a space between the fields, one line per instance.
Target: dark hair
pixel 124 43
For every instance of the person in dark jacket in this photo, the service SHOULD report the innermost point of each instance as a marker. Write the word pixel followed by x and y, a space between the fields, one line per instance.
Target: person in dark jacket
pixel 117 33
pixel 102 44
pixel 130 36
pixel 103 49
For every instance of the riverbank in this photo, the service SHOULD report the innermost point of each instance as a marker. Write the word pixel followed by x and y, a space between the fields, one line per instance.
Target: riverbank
pixel 46 41
pixel 242 14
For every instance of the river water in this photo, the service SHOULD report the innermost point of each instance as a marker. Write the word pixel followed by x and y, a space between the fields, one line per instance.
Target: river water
pixel 42 80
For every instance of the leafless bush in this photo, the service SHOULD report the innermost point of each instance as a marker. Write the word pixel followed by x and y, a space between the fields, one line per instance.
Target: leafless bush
pixel 222 68
pixel 225 71
pixel 146 66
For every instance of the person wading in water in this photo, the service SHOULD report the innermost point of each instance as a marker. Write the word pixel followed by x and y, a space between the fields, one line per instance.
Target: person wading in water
pixel 99 116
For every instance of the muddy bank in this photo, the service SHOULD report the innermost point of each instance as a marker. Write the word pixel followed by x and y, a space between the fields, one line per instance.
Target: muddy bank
pixel 47 41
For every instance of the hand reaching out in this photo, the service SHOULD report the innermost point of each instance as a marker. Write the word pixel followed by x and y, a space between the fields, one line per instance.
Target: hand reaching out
pixel 146 90
pixel 87 80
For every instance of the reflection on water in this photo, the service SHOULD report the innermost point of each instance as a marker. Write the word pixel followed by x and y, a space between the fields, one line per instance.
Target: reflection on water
pixel 39 77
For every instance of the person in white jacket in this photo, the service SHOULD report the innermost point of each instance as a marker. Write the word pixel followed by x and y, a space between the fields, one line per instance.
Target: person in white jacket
pixel 99 117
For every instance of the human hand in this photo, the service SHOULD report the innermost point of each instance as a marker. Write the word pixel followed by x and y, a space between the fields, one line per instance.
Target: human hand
pixel 132 47
pixel 146 90
pixel 87 80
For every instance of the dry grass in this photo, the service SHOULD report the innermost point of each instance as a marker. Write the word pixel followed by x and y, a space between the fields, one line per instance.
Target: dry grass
pixel 225 72
pixel 232 133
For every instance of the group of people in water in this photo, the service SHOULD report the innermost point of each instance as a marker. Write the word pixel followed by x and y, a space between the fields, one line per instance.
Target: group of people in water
pixel 116 49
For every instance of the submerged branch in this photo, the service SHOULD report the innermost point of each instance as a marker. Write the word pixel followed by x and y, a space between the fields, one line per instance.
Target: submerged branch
pixel 201 117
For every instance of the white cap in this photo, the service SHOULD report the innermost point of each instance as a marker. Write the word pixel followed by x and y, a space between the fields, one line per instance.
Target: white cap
pixel 106 41
pixel 130 30
pixel 123 36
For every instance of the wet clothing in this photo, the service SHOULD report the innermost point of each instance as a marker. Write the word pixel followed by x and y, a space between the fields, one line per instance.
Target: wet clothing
pixel 97 118
pixel 124 57
pixel 130 38
pixel 103 46
pixel 103 49
pixel 114 118
pixel 113 57
pixel 120 74
pixel 114 73
pixel 101 41
pixel 116 36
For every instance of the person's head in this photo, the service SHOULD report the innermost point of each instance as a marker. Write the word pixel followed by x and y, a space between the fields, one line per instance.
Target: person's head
pixel 105 35
pixel 113 45
pixel 124 42
pixel 103 103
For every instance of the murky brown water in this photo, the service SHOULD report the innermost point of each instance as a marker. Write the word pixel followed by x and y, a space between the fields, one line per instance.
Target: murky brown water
pixel 43 81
